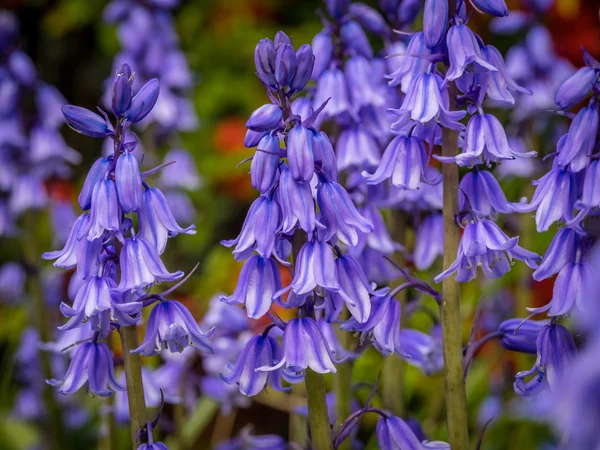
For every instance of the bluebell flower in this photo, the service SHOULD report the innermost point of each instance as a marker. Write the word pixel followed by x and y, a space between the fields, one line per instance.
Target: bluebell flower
pixel 483 244
pixel 435 21
pixel 315 267
pixel 394 433
pixel 404 161
pixel 128 180
pixel 554 198
pixel 590 195
pixel 258 282
pixel 285 64
pixel 300 154
pixel 355 39
pixel 493 7
pixel 405 67
pixel 429 242
pixel 482 194
pixel 325 158
pixel 356 147
pixel 78 252
pixel 95 299
pixel 369 18
pixel 421 350
pixel 265 118
pixel 364 89
pixel 332 85
pixel 575 88
pixel 463 50
pixel 339 214
pixel 521 336
pixel 426 99
pixel 86 122
pixel 556 351
pixel 355 289
pixel 304 68
pixel 304 346
pixel 12 282
pixel 580 140
pixel 382 326
pixel 121 98
pixel 183 173
pixel 265 163
pixel 485 141
pixel 497 85
pixel 97 173
pixel 171 326
pixel 337 8
pixel 260 228
pixel 246 441
pixel 141 266
pixel 297 204
pixel 570 289
pixel 322 45
pixel 91 363
pixel 260 351
pixel 105 214
pixel 143 101
pixel 156 220
pixel 561 251
pixel 264 60
pixel 379 239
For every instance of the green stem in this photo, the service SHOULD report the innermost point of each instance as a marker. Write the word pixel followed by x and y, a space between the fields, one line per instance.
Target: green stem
pixel 318 418
pixel 135 386
pixel 456 401
pixel 342 384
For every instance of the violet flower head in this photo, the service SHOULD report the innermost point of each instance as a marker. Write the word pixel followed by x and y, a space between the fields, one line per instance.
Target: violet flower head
pixel 435 21
pixel 382 326
pixel 258 283
pixel 260 351
pixel 339 214
pixel 262 223
pixel 520 336
pixel 485 141
pixel 463 50
pixel 141 266
pixel 315 267
pixel 297 204
pixel 304 346
pixel 395 434
pixel 554 198
pixel 157 223
pixel 556 351
pixel 484 244
pixel 171 326
pixel 576 88
pixel 421 350
pixel 91 363
pixel 404 161
pixel 482 193
pixel 429 242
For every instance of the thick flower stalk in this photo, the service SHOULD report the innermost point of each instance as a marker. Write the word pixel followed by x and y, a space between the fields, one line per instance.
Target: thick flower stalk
pixel 115 246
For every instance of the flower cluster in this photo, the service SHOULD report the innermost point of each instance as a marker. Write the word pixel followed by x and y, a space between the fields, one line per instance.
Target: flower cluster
pixel 115 246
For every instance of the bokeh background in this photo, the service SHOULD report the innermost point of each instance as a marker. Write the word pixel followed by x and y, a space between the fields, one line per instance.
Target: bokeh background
pixel 73 49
